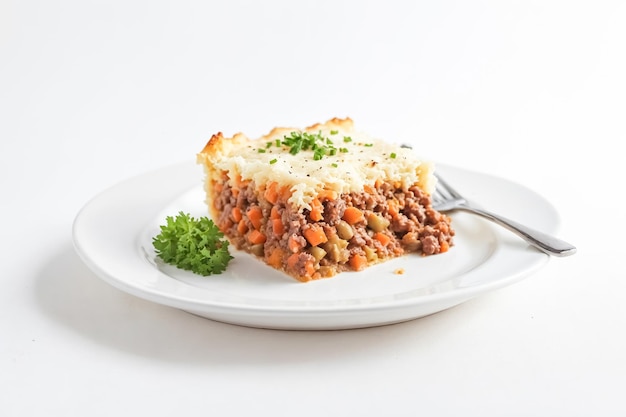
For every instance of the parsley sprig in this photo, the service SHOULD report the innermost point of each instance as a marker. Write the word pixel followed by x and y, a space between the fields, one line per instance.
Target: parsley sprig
pixel 192 244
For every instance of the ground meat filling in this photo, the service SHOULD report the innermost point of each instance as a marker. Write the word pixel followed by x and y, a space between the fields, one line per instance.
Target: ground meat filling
pixel 353 230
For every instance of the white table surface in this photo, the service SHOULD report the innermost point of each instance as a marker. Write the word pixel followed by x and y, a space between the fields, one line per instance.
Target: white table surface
pixel 92 93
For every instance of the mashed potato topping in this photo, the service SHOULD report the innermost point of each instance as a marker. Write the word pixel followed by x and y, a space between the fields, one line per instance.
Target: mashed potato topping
pixel 330 156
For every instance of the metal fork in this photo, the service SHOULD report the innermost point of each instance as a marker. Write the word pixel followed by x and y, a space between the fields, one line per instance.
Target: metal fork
pixel 445 198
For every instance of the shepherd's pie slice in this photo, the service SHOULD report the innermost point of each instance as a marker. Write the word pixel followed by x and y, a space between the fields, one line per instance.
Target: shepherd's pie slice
pixel 317 201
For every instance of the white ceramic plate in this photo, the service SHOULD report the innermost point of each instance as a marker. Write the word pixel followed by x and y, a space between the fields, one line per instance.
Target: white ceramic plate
pixel 113 235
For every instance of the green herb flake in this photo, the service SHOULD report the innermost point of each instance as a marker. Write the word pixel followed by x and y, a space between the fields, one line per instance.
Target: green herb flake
pixel 261 150
pixel 334 132
pixel 273 161
pixel 393 155
pixel 347 139
pixel 318 154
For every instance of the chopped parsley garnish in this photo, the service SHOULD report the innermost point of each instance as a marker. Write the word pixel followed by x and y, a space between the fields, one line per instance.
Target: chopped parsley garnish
pixel 273 161
pixel 320 145
pixel 304 141
pixel 297 141
pixel 393 155
pixel 191 244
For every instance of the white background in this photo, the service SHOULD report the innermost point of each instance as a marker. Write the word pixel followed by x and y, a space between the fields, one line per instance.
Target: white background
pixel 94 92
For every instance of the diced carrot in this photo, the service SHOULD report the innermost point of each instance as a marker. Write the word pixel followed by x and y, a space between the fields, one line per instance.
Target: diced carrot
pixel 444 246
pixel 382 238
pixel 235 191
pixel 394 211
pixel 277 227
pixel 237 214
pixel 327 195
pixel 292 260
pixel 443 227
pixel 293 244
pixel 309 268
pixel 271 192
pixel 255 237
pixel 353 215
pixel 242 228
pixel 315 235
pixel 285 193
pixel 276 258
pixel 357 262
pixel 275 213
pixel 316 210
pixel 255 214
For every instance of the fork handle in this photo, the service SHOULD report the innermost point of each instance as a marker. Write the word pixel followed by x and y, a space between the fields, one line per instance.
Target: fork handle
pixel 542 241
